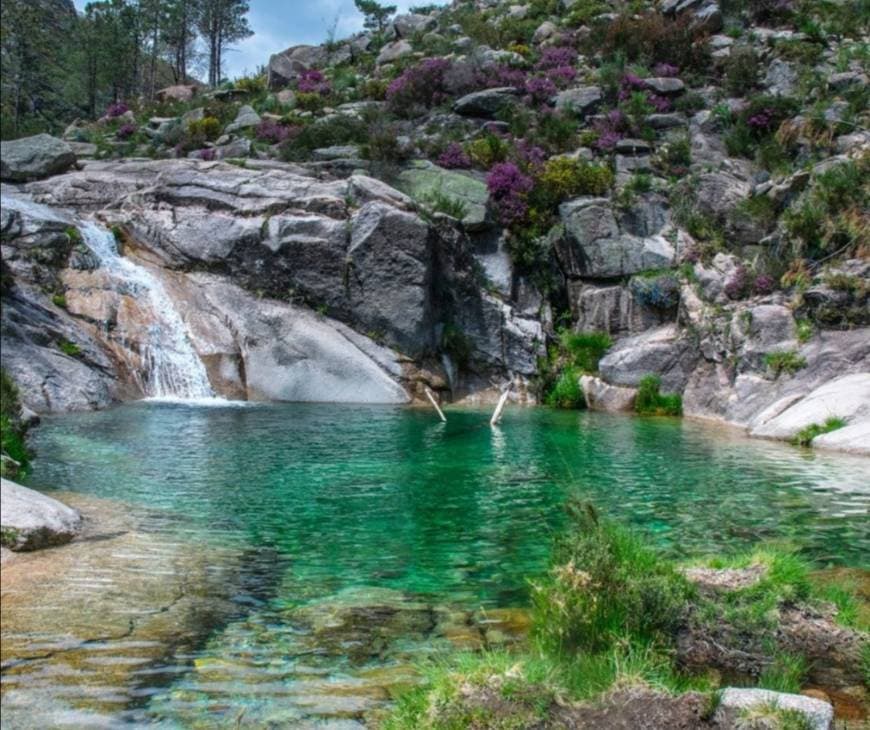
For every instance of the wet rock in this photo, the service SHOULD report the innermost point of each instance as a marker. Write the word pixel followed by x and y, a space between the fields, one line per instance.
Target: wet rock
pixel 601 396
pixel 735 702
pixel 33 158
pixel 32 521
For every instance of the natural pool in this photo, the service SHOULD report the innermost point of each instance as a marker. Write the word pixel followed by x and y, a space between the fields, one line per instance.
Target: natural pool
pixel 281 565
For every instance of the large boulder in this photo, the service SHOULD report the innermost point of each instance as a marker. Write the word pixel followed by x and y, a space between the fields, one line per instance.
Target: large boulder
pixel 601 396
pixel 659 352
pixel 33 158
pixel 593 245
pixel 611 308
pixel 582 100
pixel 485 104
pixel 245 119
pixel 423 181
pixel 31 521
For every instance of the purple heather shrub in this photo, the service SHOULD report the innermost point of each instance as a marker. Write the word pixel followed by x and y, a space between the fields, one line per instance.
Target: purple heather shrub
pixel 666 69
pixel 271 131
pixel 561 76
pixel 540 90
pixel 736 286
pixel 692 254
pixel 610 130
pixel 208 154
pixel 554 57
pixel 660 103
pixel 762 121
pixel 422 84
pixel 506 76
pixel 508 187
pixel 764 284
pixel 531 154
pixel 126 131
pixel 119 108
pixel 312 81
pixel 607 139
pixel 454 158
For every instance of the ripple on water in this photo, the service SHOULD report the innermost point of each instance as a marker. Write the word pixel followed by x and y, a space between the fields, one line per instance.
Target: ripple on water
pixel 221 537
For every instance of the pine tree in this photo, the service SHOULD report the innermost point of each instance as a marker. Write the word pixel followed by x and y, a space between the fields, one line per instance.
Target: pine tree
pixel 376 15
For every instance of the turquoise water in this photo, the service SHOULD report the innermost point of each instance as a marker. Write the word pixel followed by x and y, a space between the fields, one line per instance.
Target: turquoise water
pixel 334 510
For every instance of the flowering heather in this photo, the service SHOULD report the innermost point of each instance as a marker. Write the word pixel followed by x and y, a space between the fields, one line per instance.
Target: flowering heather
pixel 271 131
pixel 555 57
pixel 531 154
pixel 607 139
pixel 126 131
pixel 561 76
pixel 660 103
pixel 312 81
pixel 119 108
pixel 764 284
pixel 208 154
pixel 506 76
pixel 761 121
pixel 509 187
pixel 540 90
pixel 666 69
pixel 736 286
pixel 422 84
pixel 454 158
pixel 610 130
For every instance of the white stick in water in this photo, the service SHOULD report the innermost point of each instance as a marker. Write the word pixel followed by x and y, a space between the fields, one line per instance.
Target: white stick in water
pixel 496 416
pixel 435 403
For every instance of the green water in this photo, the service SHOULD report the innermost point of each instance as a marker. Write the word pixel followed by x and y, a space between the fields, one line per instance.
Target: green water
pixel 323 506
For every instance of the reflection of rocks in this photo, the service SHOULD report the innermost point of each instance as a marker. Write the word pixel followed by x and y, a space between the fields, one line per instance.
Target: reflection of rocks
pixel 81 623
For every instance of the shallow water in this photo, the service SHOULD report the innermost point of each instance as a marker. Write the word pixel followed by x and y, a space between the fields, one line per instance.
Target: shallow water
pixel 314 550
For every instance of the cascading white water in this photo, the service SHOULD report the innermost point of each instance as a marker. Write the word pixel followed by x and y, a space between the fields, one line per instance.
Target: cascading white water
pixel 171 367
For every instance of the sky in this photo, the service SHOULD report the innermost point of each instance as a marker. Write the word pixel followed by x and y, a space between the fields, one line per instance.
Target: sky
pixel 279 24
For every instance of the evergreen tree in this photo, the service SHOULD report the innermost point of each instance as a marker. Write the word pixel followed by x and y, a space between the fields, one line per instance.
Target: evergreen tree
pixel 376 15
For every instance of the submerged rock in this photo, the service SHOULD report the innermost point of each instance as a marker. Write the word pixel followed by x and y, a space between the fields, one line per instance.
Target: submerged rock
pixel 31 521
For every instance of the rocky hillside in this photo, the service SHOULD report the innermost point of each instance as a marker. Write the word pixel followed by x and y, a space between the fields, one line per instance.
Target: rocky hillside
pixel 465 199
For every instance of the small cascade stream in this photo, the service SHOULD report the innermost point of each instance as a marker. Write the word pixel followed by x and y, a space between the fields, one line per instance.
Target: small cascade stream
pixel 170 368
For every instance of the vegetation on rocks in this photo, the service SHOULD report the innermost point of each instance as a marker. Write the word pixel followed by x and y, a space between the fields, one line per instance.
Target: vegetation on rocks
pixel 650 402
pixel 14 454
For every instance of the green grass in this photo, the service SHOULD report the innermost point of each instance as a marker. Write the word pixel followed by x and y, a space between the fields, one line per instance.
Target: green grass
pixel 785 674
pixel 567 391
pixel 786 361
pixel 805 436
pixel 70 348
pixel 774 717
pixel 650 401
pixel 575 354
pixel 12 432
pixel 439 202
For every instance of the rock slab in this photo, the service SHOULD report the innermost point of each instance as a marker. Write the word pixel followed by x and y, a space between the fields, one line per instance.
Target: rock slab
pixel 736 701
pixel 31 521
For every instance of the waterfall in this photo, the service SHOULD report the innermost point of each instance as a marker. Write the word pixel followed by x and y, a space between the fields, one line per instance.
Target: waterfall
pixel 171 368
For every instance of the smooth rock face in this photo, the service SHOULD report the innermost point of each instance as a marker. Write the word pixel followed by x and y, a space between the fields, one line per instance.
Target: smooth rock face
pixel 610 308
pixel 32 158
pixel 847 397
pixel 595 247
pixel 853 439
pixel 656 352
pixel 421 180
pixel 31 520
pixel 735 701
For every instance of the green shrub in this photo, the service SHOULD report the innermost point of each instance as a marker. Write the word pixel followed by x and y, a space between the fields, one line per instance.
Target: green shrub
pixel 207 128
pixel 439 202
pixel 805 436
pixel 585 349
pixel 741 71
pixel 457 344
pixel 567 392
pixel 309 101
pixel 805 330
pixel 338 130
pixel 70 348
pixel 562 178
pixel 12 432
pixel 785 361
pixel 485 151
pixel 650 402
pixel 59 300
pixel 652 38
pixel 606 588
pixel 785 674
pixel 252 84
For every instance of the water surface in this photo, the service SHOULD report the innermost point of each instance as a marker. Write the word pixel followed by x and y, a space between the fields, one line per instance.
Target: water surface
pixel 315 550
